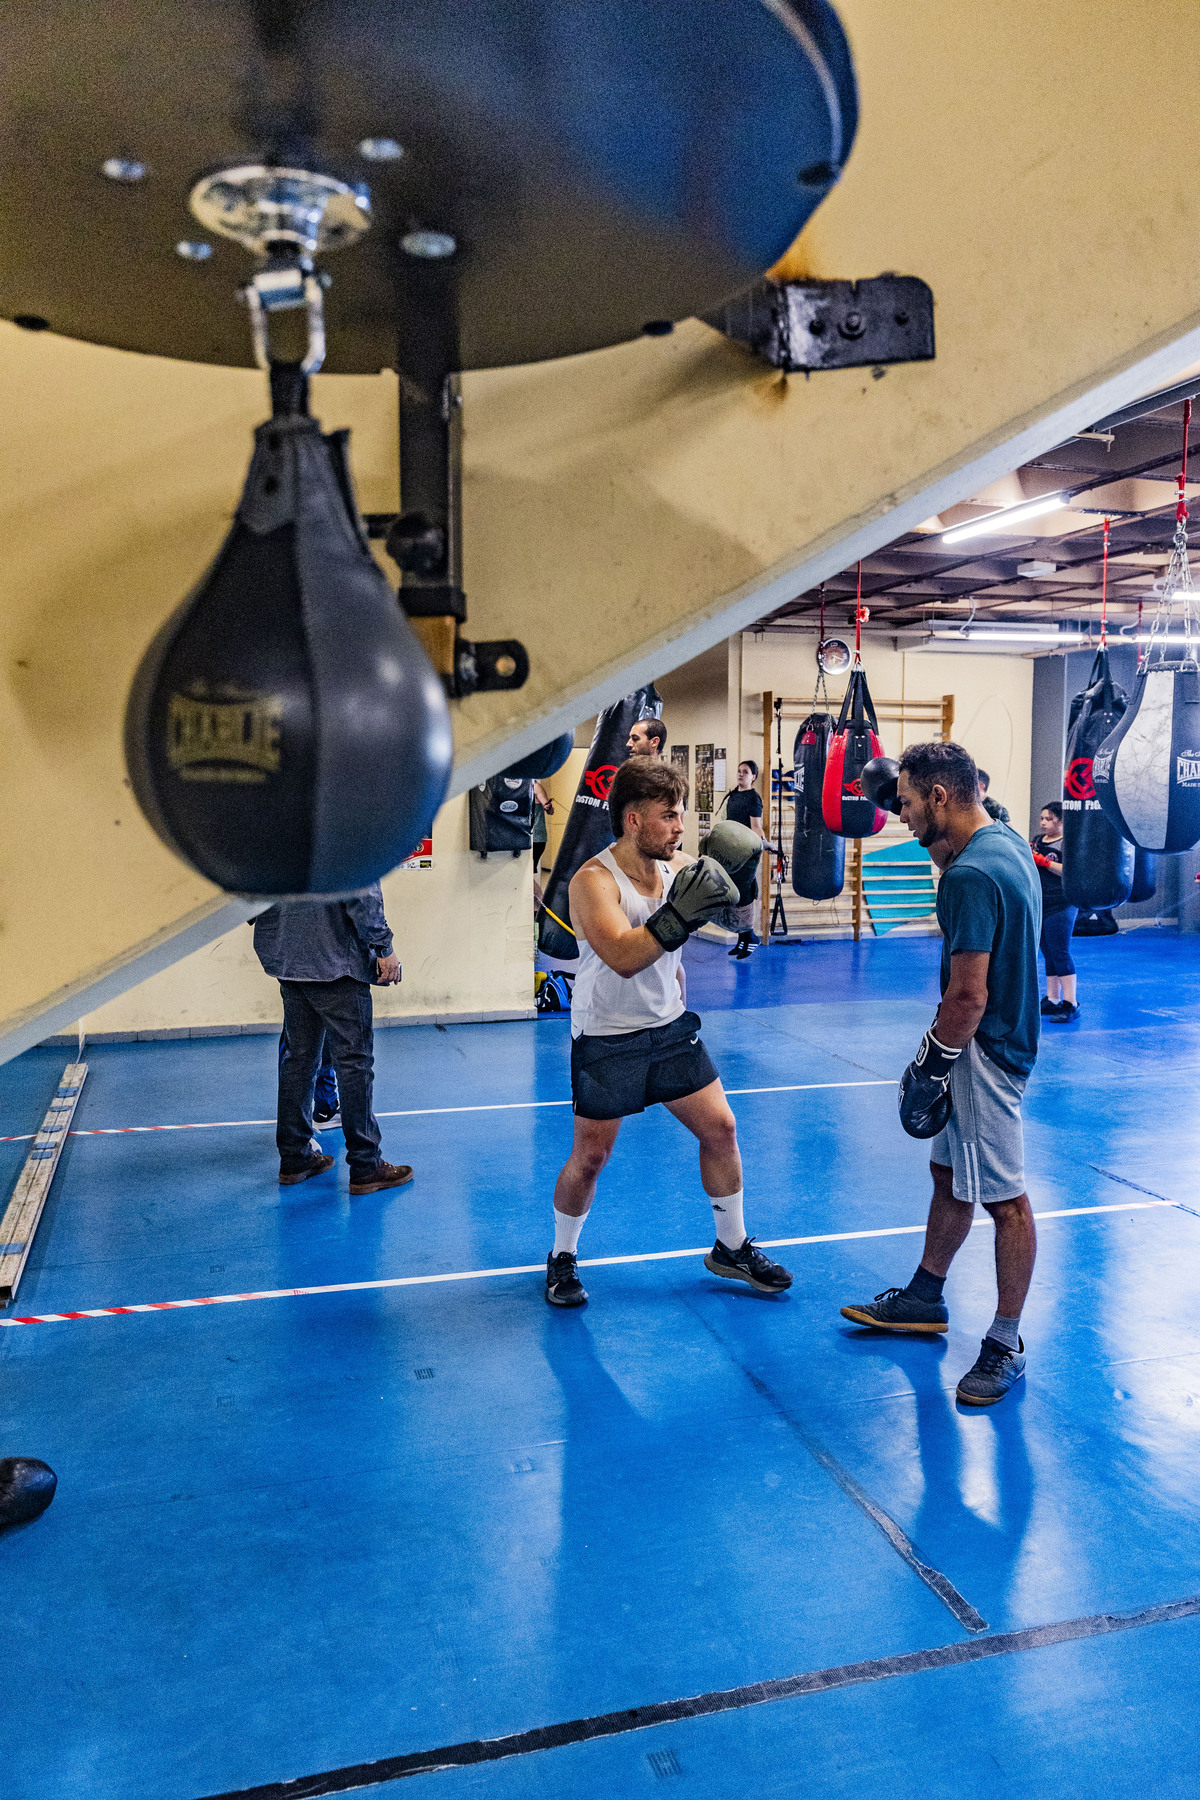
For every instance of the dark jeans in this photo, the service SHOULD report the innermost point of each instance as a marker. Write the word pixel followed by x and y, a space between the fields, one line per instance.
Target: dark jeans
pixel 325 1098
pixel 338 1013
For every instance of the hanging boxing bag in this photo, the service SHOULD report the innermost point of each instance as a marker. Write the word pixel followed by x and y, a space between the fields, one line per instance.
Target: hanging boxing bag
pixel 286 733
pixel 818 857
pixel 588 828
pixel 1097 860
pixel 1147 771
pixel 541 764
pixel 1145 876
pixel 855 742
pixel 500 815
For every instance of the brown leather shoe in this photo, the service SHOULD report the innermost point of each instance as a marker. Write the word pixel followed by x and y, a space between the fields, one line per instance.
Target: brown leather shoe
pixel 387 1175
pixel 317 1166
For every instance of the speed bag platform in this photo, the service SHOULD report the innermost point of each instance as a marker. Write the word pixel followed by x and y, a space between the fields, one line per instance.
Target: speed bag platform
pixel 818 857
pixel 286 733
pixel 855 742
pixel 1147 771
pixel 1097 860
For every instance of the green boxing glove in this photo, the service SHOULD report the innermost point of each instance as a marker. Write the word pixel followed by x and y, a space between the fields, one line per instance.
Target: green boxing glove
pixel 737 849
pixel 698 893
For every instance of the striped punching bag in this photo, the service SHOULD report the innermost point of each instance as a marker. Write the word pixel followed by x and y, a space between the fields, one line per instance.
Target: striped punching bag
pixel 1147 771
pixel 855 743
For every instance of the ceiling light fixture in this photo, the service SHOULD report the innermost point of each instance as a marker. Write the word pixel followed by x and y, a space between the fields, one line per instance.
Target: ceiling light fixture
pixel 1007 516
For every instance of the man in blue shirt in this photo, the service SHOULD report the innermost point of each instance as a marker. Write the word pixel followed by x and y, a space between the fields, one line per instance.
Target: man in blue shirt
pixel 325 955
pixel 978 1054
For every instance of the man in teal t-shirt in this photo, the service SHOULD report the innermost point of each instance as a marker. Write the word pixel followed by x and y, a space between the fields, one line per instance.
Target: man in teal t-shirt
pixel 978 1053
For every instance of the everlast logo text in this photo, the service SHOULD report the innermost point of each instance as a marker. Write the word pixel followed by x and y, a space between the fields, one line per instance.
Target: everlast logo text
pixel 223 740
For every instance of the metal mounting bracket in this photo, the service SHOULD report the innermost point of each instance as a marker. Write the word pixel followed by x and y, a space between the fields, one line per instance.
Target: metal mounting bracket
pixel 795 325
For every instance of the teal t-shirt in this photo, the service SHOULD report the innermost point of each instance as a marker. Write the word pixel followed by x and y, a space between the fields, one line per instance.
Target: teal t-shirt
pixel 990 899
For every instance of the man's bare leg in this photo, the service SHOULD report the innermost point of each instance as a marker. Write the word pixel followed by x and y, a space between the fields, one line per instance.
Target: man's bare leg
pixel 708 1117
pixel 574 1192
pixel 948 1226
pixel 1016 1253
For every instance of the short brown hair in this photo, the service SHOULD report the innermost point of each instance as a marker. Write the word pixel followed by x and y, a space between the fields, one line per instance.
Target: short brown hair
pixel 643 778
pixel 655 730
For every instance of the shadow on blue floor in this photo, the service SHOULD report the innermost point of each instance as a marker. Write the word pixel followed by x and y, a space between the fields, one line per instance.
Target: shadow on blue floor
pixel 302 1533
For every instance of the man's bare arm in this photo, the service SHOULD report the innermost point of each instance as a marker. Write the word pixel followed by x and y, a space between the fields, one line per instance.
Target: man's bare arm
pixel 595 902
pixel 965 1000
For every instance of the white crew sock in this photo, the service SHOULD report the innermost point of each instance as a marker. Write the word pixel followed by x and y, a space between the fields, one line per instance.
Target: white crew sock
pixel 566 1231
pixel 727 1214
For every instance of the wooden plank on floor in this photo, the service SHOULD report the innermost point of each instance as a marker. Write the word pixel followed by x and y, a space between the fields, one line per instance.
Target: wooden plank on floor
pixel 18 1228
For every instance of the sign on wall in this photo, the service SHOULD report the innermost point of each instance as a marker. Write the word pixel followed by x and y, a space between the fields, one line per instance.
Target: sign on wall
pixel 422 856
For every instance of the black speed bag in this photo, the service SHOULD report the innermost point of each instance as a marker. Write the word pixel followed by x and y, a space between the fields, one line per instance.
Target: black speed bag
pixel 1147 771
pixel 541 764
pixel 1097 860
pixel 286 733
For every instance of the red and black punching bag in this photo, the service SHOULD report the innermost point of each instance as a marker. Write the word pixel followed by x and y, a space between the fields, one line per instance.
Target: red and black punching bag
pixel 818 857
pixel 855 742
pixel 286 733
pixel 1097 860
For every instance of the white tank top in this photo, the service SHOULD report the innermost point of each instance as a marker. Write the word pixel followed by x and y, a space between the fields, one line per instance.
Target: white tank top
pixel 604 1003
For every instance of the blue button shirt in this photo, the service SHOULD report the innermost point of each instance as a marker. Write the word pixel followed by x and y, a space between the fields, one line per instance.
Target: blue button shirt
pixel 323 940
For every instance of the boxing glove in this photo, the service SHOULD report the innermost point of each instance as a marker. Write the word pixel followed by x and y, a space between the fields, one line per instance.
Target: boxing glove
pixel 925 1103
pixel 878 782
pixel 698 893
pixel 737 849
pixel 1043 862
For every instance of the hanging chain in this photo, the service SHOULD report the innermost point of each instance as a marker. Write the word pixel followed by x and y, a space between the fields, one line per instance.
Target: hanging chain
pixel 1173 591
pixel 820 692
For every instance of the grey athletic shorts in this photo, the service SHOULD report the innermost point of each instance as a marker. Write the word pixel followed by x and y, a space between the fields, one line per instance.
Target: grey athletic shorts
pixel 983 1141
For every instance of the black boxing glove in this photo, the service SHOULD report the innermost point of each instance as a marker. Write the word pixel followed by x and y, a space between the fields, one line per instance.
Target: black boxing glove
pixel 925 1102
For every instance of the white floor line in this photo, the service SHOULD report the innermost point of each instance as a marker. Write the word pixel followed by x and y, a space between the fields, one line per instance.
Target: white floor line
pixel 420 1112
pixel 595 1262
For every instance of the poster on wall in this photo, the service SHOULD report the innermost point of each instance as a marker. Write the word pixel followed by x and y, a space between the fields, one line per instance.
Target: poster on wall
pixel 719 767
pixel 422 856
pixel 704 778
pixel 681 756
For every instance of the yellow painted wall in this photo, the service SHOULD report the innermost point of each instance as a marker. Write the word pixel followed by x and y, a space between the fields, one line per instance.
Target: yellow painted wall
pixel 463 931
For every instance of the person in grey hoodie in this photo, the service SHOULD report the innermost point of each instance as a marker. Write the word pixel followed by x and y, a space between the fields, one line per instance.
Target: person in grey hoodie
pixel 325 956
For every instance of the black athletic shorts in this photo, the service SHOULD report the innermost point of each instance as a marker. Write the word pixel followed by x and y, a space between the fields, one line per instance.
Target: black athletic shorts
pixel 612 1077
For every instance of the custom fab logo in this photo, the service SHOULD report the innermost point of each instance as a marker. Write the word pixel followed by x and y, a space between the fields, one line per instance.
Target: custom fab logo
pixel 599 781
pixel 223 736
pixel 1187 768
pixel 853 789
pixel 1077 779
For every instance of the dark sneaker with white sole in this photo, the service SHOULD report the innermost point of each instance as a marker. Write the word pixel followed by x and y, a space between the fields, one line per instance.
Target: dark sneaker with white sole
pixel 898 1310
pixel 563 1286
pixel 327 1121
pixel 749 1265
pixel 996 1369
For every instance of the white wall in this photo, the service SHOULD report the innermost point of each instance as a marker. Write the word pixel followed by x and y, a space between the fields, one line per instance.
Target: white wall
pixel 463 931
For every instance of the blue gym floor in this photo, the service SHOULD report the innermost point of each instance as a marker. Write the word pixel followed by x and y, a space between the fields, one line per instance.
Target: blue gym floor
pixel 293 1535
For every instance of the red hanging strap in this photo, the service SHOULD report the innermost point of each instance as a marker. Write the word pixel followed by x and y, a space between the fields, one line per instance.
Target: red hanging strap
pixel 858 616
pixel 1104 594
pixel 1181 510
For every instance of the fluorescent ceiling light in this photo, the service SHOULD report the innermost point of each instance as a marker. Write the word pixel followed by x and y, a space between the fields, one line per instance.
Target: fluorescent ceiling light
pixel 1006 517
pixel 1021 634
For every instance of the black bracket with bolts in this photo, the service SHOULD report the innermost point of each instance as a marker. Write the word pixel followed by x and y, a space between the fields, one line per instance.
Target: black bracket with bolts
pixel 807 325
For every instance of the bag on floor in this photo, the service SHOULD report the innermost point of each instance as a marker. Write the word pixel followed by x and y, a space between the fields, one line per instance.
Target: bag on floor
pixel 1147 771
pixel 855 742
pixel 1096 922
pixel 588 829
pixel 818 857
pixel 1097 860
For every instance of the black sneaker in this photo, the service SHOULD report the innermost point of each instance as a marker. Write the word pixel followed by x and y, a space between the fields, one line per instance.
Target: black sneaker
pixel 563 1286
pixel 995 1370
pixel 750 1265
pixel 1065 1014
pixel 327 1121
pixel 1050 1007
pixel 898 1310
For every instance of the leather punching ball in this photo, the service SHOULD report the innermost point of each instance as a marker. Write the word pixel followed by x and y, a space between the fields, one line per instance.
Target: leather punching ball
pixel 286 733
pixel 818 857
pixel 1147 771
pixel 855 742
pixel 1097 860
pixel 541 764
pixel 588 828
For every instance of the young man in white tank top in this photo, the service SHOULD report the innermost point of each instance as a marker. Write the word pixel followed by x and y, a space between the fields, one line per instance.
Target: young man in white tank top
pixel 634 1044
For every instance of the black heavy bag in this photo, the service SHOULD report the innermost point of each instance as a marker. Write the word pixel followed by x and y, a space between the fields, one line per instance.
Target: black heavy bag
pixel 587 829
pixel 500 814
pixel 286 733
pixel 541 764
pixel 855 743
pixel 1145 876
pixel 1097 860
pixel 1147 771
pixel 818 858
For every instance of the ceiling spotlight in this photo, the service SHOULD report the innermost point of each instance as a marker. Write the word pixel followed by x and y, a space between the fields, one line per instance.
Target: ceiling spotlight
pixel 381 149
pixel 1007 518
pixel 197 251
pixel 123 168
pixel 432 245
